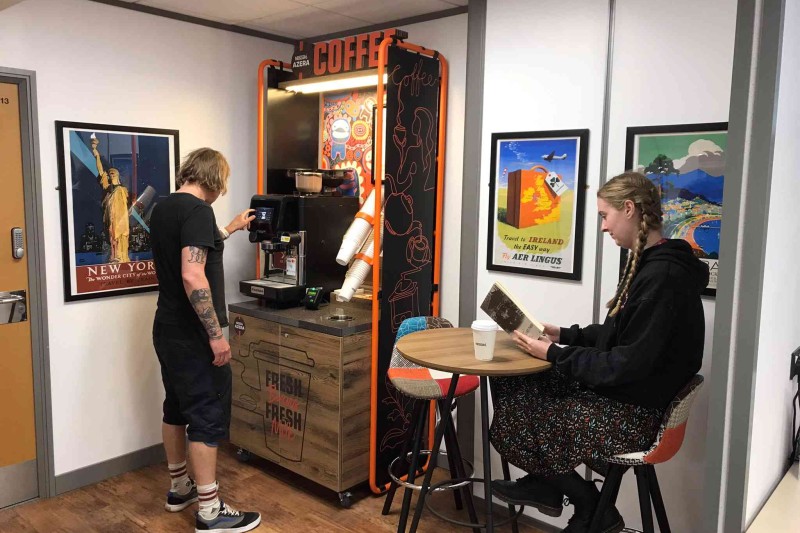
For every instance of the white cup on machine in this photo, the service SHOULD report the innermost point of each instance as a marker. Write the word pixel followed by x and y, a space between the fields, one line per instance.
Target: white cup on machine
pixel 483 337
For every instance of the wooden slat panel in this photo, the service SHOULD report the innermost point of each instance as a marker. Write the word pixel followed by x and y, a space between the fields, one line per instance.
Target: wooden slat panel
pixel 354 436
pixel 353 347
pixel 248 432
pixel 310 341
pixel 297 405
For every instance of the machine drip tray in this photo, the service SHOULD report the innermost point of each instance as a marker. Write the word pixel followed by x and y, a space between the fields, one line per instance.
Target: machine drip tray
pixel 339 318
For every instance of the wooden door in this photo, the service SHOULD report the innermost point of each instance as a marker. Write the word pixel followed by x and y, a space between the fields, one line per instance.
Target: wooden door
pixel 18 476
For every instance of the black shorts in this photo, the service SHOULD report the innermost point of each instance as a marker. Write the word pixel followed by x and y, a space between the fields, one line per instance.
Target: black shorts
pixel 198 394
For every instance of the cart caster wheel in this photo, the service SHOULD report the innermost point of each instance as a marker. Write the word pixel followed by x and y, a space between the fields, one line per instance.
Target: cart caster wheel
pixel 243 455
pixel 345 499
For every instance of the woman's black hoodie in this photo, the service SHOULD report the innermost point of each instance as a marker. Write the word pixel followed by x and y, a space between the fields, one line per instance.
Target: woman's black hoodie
pixel 654 345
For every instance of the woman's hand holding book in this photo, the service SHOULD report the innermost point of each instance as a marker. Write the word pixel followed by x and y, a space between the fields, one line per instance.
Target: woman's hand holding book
pixel 535 347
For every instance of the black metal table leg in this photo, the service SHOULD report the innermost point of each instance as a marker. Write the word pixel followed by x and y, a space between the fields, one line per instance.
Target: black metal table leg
pixel 451 440
pixel 512 510
pixel 437 444
pixel 487 459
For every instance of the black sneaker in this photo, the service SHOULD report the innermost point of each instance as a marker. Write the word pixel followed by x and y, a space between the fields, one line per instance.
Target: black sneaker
pixel 529 492
pixel 611 522
pixel 228 520
pixel 178 502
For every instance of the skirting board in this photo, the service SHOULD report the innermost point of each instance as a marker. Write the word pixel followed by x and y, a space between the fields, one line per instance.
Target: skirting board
pixel 113 467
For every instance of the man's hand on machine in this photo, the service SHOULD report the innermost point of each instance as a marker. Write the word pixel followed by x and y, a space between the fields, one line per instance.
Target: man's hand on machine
pixel 221 349
pixel 241 220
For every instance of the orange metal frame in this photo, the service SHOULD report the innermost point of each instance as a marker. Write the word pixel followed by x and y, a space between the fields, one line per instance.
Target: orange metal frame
pixel 260 136
pixel 376 267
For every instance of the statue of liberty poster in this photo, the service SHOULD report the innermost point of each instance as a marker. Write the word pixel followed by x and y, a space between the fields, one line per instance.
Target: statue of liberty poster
pixel 110 178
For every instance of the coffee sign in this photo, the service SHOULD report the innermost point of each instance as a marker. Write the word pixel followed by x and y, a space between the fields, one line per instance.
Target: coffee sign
pixel 350 54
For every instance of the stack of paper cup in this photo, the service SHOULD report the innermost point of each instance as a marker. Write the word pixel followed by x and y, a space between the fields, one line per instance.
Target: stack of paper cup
pixel 483 336
pixel 358 231
pixel 359 270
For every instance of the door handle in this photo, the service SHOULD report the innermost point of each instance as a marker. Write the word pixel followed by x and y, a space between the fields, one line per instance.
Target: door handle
pixel 10 298
pixel 13 307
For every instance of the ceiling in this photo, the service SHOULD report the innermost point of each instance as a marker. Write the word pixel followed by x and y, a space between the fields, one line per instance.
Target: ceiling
pixel 299 19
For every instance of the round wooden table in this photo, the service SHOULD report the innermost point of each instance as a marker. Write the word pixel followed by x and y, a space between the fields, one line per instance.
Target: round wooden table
pixel 451 350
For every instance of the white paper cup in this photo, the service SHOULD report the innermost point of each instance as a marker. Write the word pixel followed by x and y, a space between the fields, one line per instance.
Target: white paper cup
pixel 483 337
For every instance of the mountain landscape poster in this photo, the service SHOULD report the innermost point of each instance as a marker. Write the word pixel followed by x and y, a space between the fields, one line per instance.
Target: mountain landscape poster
pixel 687 163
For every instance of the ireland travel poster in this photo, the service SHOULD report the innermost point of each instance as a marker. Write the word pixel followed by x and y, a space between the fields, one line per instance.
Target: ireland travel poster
pixel 537 190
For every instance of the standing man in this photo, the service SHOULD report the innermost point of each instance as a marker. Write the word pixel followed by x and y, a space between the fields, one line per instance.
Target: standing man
pixel 115 209
pixel 188 338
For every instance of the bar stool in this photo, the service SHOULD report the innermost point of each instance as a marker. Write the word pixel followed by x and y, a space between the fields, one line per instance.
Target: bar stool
pixel 668 442
pixel 424 386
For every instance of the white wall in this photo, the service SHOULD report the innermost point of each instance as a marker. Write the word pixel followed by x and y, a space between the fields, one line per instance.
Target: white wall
pixel 97 63
pixel 779 335
pixel 449 37
pixel 669 67
pixel 544 70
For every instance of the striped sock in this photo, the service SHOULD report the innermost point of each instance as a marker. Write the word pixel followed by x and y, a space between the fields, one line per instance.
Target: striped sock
pixel 209 501
pixel 181 484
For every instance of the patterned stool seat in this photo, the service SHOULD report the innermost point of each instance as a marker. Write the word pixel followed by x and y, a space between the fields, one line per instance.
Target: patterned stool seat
pixel 670 434
pixel 419 382
pixel 667 443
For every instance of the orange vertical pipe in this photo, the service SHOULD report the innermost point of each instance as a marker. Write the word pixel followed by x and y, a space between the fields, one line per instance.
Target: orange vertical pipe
pixel 437 255
pixel 260 138
pixel 378 173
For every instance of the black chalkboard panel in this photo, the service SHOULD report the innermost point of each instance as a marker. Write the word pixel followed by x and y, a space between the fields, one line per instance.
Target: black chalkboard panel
pixel 410 177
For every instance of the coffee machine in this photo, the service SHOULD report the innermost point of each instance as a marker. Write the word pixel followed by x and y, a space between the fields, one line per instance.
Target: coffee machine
pixel 300 237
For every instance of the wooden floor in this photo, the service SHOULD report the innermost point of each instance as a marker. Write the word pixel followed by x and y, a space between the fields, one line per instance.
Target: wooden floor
pixel 133 502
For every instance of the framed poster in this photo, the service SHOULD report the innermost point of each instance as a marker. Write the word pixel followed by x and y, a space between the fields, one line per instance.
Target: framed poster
pixel 687 164
pixel 536 203
pixel 110 178
pixel 346 137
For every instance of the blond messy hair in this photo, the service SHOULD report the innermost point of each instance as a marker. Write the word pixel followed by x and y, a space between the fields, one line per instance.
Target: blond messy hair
pixel 637 188
pixel 205 167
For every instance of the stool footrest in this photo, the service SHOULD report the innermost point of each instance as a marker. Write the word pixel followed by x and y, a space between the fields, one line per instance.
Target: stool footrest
pixel 445 485
pixel 481 525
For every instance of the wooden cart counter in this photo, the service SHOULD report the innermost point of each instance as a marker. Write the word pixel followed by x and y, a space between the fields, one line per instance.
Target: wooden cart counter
pixel 301 398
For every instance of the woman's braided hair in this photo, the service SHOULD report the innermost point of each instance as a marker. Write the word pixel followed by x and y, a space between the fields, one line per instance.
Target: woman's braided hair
pixel 645 196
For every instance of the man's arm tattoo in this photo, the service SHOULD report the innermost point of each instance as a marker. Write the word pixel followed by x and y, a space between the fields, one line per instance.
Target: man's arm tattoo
pixel 204 307
pixel 197 254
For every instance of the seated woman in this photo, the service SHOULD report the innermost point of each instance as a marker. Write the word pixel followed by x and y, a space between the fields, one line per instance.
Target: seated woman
pixel 611 383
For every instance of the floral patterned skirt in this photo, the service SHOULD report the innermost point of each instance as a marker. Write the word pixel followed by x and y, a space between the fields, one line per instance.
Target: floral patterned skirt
pixel 548 424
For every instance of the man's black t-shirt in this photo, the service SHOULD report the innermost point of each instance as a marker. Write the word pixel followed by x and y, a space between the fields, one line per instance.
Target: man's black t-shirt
pixel 179 221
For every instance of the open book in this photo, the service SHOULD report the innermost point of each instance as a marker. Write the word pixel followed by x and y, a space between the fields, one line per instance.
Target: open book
pixel 509 313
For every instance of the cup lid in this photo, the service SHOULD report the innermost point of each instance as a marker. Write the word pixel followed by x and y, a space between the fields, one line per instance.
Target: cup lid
pixel 484 325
